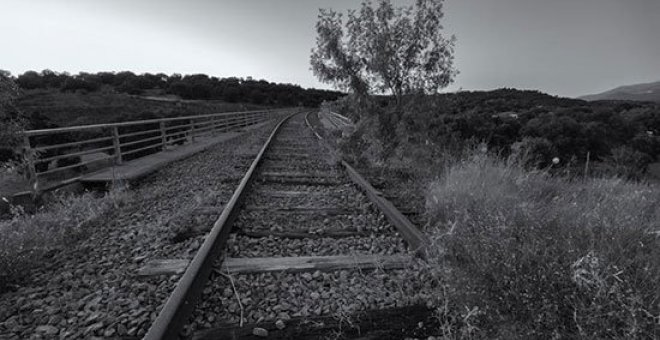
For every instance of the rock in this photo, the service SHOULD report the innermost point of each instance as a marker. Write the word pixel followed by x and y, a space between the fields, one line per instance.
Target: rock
pixel 315 295
pixel 121 329
pixel 317 274
pixel 110 331
pixel 94 327
pixel 260 332
pixel 307 276
pixel 132 331
pixel 47 329
pixel 280 324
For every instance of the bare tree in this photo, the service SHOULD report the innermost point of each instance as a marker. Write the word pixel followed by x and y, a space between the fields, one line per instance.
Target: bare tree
pixel 384 49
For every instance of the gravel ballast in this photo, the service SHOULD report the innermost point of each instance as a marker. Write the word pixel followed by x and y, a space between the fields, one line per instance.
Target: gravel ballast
pixel 269 297
pixel 280 296
pixel 90 288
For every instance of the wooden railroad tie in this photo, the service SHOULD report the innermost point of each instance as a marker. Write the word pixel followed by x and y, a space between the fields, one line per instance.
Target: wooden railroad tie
pixel 255 265
pixel 319 211
pixel 289 193
pixel 390 323
pixel 299 178
pixel 305 234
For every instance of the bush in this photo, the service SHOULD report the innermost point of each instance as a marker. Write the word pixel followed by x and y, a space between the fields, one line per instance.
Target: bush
pixel 76 83
pixel 625 162
pixel 545 257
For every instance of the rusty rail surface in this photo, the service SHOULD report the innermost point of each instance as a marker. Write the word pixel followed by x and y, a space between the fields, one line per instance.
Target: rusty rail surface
pixel 51 152
pixel 183 299
pixel 417 241
pixel 179 305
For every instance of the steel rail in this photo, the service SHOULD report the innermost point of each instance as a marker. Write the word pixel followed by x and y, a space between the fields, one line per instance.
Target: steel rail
pixel 417 240
pixel 183 299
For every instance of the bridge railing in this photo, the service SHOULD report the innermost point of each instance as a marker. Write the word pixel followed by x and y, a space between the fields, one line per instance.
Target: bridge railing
pixel 60 155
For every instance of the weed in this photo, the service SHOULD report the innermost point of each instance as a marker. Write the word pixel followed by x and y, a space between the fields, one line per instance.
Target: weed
pixel 547 257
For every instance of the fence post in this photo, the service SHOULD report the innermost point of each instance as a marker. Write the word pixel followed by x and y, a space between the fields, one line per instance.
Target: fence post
pixel 29 159
pixel 192 130
pixel 115 143
pixel 163 135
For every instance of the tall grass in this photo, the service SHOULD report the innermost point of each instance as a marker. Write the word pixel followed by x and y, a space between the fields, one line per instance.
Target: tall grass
pixel 26 238
pixel 548 257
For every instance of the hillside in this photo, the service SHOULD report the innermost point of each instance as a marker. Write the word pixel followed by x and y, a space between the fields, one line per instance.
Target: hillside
pixel 620 136
pixel 77 108
pixel 638 92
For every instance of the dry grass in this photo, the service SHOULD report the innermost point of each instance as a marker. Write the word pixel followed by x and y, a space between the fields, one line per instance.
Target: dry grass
pixel 546 257
pixel 26 238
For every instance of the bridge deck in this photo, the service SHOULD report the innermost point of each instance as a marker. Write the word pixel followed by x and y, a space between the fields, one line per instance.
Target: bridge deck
pixel 135 169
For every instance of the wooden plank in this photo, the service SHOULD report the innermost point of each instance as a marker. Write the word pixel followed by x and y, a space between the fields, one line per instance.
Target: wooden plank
pixel 303 234
pixel 290 193
pixel 163 267
pixel 298 174
pixel 302 180
pixel 246 265
pixel 389 323
pixel 324 211
pixel 290 156
pixel 251 265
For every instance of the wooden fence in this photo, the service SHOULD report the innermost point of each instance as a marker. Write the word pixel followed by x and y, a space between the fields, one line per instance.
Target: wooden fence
pixel 53 154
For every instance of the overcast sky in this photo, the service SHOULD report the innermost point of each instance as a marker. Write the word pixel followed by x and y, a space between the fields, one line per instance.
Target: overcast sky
pixel 563 47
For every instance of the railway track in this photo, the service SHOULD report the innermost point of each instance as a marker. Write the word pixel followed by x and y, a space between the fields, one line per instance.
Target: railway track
pixel 305 248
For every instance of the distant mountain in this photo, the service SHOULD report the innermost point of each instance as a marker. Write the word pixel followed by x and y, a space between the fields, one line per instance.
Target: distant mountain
pixel 640 92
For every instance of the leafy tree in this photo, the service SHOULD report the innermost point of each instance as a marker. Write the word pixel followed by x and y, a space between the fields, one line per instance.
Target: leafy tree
pixel 30 80
pixel 385 49
pixel 81 82
pixel 11 119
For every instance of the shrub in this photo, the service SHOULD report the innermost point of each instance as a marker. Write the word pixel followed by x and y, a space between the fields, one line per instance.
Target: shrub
pixel 534 152
pixel 625 162
pixel 546 257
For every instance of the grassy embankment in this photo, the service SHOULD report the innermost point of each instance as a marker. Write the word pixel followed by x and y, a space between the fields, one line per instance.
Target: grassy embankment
pixel 535 255
pixel 529 253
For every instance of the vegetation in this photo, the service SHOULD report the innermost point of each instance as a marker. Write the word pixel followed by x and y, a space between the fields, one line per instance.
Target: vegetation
pixel 543 224
pixel 601 138
pixel 539 233
pixel 546 257
pixel 196 86
pixel 385 49
pixel 11 119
